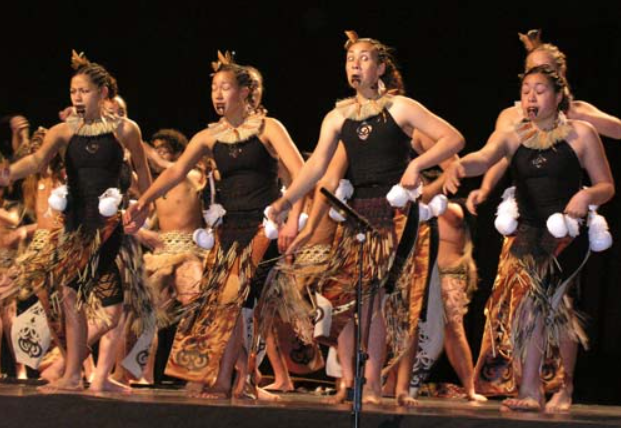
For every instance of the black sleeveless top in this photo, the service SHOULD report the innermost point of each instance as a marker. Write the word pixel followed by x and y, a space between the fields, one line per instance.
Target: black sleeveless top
pixel 545 181
pixel 93 165
pixel 248 175
pixel 378 152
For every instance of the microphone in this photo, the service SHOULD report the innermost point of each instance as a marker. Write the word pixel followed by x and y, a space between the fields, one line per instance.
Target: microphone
pixel 348 212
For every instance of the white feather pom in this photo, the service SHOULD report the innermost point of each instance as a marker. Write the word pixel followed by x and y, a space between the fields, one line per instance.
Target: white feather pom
pixel 113 193
pixel 508 207
pixel 336 216
pixel 597 223
pixel 414 194
pixel 302 220
pixel 270 229
pixel 424 213
pixel 204 238
pixel 438 205
pixel 509 193
pixel 557 226
pixel 573 226
pixel 58 198
pixel 600 241
pixel 505 224
pixel 398 196
pixel 600 238
pixel 345 190
pixel 108 207
pixel 213 216
pixel 109 202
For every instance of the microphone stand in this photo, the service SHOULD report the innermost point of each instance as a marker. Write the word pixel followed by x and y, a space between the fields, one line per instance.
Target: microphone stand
pixel 361 226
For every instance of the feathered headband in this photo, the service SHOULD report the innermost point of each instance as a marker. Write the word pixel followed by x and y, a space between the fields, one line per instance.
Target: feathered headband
pixel 353 38
pixel 225 58
pixel 531 40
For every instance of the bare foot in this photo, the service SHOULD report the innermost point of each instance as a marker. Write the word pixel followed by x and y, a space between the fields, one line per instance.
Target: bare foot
pixel 214 393
pixel 193 389
pixel 264 395
pixel 280 387
pixel 560 402
pixel 404 399
pixel 388 390
pixel 109 385
pixel 371 396
pixel 62 385
pixel 21 372
pixel 54 371
pixel 524 404
pixel 340 397
pixel 477 398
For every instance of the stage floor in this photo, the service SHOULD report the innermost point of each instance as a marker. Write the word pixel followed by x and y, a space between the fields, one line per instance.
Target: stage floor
pixel 22 406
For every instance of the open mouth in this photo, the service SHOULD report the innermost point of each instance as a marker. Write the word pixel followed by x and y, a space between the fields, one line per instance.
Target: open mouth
pixel 532 112
pixel 356 80
pixel 219 108
pixel 80 109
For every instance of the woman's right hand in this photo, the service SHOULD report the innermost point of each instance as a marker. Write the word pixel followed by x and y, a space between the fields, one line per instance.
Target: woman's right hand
pixel 453 174
pixel 278 210
pixel 134 217
pixel 300 241
pixel 475 198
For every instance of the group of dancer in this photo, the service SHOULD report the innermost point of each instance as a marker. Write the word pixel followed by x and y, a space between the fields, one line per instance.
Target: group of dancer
pixel 242 265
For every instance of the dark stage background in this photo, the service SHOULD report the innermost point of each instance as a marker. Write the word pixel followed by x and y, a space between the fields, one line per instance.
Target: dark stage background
pixel 459 59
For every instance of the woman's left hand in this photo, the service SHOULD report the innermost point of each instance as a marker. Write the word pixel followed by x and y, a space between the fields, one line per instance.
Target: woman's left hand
pixel 578 205
pixel 411 177
pixel 287 234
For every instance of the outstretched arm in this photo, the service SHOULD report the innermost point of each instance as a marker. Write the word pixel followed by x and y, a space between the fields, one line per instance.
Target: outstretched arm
pixel 314 168
pixel 447 140
pixel 593 159
pixel 132 140
pixel 604 123
pixel 292 161
pixel 478 162
pixel 55 138
pixel 136 214
pixel 330 180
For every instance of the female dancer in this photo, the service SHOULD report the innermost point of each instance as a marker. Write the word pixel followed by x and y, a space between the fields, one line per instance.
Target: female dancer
pixel 246 148
pixel 540 53
pixel 546 155
pixel 376 129
pixel 90 242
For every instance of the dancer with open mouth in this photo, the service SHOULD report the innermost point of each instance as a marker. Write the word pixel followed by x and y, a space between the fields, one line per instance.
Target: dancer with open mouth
pixel 375 127
pixel 528 317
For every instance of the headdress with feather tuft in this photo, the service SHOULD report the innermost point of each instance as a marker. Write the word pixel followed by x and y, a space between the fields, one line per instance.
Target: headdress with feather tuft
pixel 352 37
pixel 225 58
pixel 531 40
pixel 78 60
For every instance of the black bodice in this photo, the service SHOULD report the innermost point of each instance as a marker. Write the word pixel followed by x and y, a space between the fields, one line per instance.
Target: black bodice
pixel 378 153
pixel 248 175
pixel 93 165
pixel 545 181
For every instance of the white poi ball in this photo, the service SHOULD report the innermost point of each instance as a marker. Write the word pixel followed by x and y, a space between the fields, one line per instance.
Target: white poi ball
pixel 505 224
pixel 397 196
pixel 557 226
pixel 204 238
pixel 108 207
